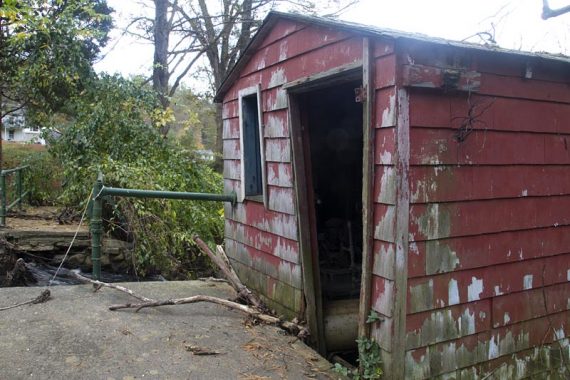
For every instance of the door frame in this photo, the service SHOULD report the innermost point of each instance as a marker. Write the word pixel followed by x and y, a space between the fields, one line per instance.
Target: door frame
pixel 301 162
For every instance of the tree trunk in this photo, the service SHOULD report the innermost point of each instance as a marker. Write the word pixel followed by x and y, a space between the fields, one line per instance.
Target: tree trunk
pixel 219 161
pixel 160 75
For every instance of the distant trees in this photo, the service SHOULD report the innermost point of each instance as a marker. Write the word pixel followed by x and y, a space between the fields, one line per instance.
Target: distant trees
pixel 46 51
pixel 187 33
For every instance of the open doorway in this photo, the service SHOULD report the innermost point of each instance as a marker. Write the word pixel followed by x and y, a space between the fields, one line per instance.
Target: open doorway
pixel 332 138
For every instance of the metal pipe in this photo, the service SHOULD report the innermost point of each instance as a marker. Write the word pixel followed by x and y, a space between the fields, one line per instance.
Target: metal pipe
pixel 99 191
pixel 96 226
pixel 3 199
pixel 17 201
pixel 232 197
pixel 8 171
pixel 19 188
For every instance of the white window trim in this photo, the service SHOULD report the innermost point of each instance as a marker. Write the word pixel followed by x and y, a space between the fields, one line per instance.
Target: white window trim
pixel 243 93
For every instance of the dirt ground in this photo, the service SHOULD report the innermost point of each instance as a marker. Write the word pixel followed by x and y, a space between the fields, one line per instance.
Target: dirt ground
pixel 75 336
pixel 40 219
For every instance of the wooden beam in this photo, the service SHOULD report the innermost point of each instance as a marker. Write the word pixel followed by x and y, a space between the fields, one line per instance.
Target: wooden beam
pixel 337 75
pixel 402 227
pixel 311 281
pixel 368 107
pixel 440 78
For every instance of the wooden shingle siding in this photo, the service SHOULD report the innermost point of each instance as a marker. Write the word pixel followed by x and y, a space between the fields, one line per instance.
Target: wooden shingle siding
pixel 262 240
pixel 489 222
pixel 384 197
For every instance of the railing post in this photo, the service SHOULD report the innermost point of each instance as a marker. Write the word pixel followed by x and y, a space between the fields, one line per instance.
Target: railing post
pixel 19 187
pixel 3 199
pixel 97 227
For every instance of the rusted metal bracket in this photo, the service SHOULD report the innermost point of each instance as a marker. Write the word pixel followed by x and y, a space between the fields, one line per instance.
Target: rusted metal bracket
pixel 360 94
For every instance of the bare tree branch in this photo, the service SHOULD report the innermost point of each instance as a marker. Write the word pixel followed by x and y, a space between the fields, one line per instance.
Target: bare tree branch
pixel 548 12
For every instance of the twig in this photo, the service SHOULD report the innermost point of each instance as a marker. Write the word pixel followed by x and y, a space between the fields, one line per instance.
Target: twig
pixel 100 284
pixel 43 297
pixel 289 326
pixel 213 279
pixel 222 262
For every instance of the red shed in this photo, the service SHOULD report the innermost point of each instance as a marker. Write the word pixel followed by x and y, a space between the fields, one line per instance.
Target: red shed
pixel 424 179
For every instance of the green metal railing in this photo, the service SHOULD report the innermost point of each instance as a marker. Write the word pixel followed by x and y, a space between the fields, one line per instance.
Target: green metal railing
pixel 19 192
pixel 100 191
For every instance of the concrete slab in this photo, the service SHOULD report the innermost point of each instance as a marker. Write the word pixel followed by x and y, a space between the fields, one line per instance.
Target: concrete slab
pixel 75 336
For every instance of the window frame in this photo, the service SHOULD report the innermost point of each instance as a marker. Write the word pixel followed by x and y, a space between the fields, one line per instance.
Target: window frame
pixel 249 91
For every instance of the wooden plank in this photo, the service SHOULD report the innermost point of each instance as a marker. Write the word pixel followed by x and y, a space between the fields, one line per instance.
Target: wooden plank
pixel 281 294
pixel 401 235
pixel 530 304
pixel 442 220
pixel 440 147
pixel 450 183
pixel 311 283
pixel 386 107
pixel 447 79
pixel 433 292
pixel 385 141
pixel 521 88
pixel 255 214
pixel 383 295
pixel 276 124
pixel 385 71
pixel 384 259
pixel 280 174
pixel 232 150
pixel 263 241
pixel 368 123
pixel 275 99
pixel 282 29
pixel 503 342
pixel 267 264
pixel 431 327
pixel 232 169
pixel 468 252
pixel 382 47
pixel 281 199
pixel 278 150
pixel 230 129
pixel 301 42
pixel 430 109
pixel 307 82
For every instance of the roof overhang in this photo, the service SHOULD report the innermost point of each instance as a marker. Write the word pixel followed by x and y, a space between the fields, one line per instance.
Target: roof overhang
pixel 273 17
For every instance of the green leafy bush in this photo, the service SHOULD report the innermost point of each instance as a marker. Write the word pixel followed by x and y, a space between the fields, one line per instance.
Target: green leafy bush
pixel 115 129
pixel 43 177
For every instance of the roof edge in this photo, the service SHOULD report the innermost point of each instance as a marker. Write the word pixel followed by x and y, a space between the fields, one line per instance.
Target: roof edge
pixel 273 16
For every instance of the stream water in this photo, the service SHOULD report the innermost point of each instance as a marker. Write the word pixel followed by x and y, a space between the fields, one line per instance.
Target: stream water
pixel 43 274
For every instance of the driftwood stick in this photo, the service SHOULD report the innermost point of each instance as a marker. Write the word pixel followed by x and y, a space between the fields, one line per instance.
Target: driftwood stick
pixel 112 286
pixel 221 262
pixel 289 326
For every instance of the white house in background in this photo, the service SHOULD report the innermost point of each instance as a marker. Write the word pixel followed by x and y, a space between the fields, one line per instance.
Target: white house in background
pixel 14 129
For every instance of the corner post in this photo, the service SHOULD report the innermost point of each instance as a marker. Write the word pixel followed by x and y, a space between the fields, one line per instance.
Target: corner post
pixel 97 227
pixel 3 199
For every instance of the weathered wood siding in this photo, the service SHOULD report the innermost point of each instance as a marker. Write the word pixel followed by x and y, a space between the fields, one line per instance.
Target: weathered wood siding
pixel 263 242
pixel 489 229
pixel 385 197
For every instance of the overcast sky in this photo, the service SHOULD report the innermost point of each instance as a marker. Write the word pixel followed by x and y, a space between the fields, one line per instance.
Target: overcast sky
pixel 516 24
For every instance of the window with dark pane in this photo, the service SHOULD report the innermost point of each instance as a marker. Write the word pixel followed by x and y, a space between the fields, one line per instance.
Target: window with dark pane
pixel 251 146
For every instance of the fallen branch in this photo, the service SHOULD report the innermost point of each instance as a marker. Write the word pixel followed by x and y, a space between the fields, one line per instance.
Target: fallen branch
pixel 221 260
pixel 112 286
pixel 291 327
pixel 100 284
pixel 43 297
